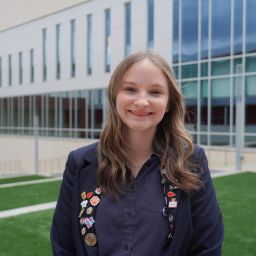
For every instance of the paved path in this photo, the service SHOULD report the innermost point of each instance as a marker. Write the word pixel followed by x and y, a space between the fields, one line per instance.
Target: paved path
pixel 22 183
pixel 27 209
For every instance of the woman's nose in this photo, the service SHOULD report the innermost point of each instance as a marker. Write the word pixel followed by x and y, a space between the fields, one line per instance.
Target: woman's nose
pixel 142 101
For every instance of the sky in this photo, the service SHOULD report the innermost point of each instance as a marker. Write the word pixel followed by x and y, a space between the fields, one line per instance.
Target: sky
pixel 14 12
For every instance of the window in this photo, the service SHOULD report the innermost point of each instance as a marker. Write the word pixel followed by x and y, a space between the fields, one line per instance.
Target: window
pixel 20 68
pixel 150 23
pixel 32 71
pixel 238 26
pixel 250 25
pixel 89 44
pixel 221 18
pixel 9 70
pixel 44 55
pixel 58 51
pixel 107 40
pixel 0 71
pixel 189 46
pixel 127 46
pixel 175 43
pixel 73 48
pixel 204 29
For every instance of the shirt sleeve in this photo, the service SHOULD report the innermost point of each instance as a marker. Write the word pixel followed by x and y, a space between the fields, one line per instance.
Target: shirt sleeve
pixel 61 229
pixel 207 221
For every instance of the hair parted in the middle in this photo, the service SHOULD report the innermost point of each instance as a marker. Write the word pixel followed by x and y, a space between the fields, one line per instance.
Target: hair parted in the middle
pixel 171 141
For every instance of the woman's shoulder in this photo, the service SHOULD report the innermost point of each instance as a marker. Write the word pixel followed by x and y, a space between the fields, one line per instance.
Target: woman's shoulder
pixel 198 159
pixel 87 152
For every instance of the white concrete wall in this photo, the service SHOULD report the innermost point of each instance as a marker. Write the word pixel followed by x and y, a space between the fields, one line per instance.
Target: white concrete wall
pixel 29 36
pixel 17 154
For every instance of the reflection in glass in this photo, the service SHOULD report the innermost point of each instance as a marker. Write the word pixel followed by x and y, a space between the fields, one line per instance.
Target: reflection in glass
pixel 221 18
pixel 189 71
pixel 204 29
pixel 204 69
pixel 32 68
pixel 250 64
pixel 221 67
pixel 238 26
pixel 220 103
pixel 250 26
pixel 189 47
pixel 175 41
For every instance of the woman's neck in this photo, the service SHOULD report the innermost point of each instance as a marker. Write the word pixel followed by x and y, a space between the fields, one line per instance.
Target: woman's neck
pixel 140 147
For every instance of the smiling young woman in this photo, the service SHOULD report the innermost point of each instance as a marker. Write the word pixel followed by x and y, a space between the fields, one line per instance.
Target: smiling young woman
pixel 144 188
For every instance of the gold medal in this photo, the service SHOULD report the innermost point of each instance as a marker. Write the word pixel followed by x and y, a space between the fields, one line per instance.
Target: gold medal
pixel 90 239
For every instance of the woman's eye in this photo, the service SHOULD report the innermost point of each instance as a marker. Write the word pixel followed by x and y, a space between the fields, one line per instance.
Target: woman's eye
pixel 156 93
pixel 130 89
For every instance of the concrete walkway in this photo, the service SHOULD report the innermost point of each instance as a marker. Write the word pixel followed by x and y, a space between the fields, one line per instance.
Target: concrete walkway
pixel 27 209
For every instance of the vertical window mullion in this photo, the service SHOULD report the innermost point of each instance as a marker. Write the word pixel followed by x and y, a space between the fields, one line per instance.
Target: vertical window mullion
pixel 58 67
pixel 127 28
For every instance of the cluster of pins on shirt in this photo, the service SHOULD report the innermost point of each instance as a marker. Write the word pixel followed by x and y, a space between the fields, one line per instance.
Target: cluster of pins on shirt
pixel 86 216
pixel 171 202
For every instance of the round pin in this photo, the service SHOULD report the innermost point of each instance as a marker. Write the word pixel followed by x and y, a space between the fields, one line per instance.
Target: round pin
pixel 90 239
pixel 94 200
pixel 89 210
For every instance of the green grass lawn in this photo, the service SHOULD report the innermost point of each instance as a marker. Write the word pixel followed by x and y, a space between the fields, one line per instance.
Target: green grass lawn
pixel 20 196
pixel 237 198
pixel 21 178
pixel 26 234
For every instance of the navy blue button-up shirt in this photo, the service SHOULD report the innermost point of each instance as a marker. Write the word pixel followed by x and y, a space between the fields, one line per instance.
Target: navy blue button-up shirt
pixel 135 225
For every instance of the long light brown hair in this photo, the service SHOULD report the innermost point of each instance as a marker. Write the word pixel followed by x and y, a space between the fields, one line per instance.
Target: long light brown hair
pixel 171 141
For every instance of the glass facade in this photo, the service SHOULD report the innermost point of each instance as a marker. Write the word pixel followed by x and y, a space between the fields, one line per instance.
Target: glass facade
pixel 78 114
pixel 214 53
